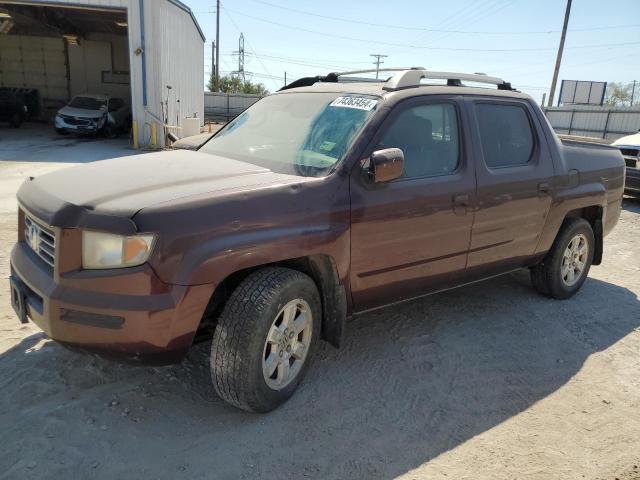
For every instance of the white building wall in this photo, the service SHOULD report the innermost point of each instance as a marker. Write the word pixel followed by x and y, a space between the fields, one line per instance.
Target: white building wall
pixel 178 50
pixel 98 53
pixel 34 62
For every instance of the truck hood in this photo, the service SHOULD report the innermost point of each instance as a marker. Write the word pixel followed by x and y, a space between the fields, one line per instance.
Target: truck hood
pixel 81 112
pixel 115 190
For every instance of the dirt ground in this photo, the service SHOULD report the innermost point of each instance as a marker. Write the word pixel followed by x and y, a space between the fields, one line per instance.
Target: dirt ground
pixel 490 381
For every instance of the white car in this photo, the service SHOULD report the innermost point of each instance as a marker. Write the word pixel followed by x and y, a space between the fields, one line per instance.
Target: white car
pixel 630 148
pixel 89 114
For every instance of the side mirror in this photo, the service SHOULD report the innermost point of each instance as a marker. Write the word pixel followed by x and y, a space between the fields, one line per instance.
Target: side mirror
pixel 386 164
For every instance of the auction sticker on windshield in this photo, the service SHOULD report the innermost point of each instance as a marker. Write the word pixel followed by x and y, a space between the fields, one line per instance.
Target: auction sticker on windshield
pixel 361 103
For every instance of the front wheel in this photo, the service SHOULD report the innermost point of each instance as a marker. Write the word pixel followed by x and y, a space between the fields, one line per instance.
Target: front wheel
pixel 566 266
pixel 16 120
pixel 265 338
pixel 108 131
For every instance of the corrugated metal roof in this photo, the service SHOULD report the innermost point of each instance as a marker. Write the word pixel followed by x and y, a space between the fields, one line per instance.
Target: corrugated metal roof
pixel 181 5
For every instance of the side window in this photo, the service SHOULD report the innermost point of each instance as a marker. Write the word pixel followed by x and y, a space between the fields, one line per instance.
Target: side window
pixel 428 136
pixel 506 135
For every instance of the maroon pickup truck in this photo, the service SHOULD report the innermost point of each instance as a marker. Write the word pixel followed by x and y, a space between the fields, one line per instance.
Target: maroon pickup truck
pixel 316 204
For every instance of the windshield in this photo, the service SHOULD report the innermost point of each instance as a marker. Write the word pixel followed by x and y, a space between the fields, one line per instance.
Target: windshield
pixel 88 103
pixel 297 133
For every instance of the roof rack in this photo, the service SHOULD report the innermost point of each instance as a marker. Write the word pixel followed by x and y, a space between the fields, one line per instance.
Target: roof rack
pixel 407 78
pixel 411 78
pixel 374 70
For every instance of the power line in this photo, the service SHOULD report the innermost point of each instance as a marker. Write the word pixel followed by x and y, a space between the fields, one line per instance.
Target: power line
pixel 305 64
pixel 462 16
pixel 424 47
pixel 477 17
pixel 436 30
pixel 315 60
pixel 251 49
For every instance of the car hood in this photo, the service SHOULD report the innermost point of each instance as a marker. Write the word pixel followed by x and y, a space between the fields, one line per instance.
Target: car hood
pixel 103 194
pixel 81 112
pixel 631 140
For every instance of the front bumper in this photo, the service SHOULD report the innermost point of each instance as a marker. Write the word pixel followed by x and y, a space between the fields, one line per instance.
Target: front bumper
pixel 632 181
pixel 88 126
pixel 125 313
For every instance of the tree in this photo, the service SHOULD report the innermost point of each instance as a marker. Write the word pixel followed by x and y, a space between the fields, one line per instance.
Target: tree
pixel 619 94
pixel 231 84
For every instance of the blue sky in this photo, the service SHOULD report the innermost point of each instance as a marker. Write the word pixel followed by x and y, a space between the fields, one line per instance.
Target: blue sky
pixel 513 39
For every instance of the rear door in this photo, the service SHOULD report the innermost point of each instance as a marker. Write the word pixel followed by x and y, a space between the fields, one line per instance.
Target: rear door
pixel 411 236
pixel 514 175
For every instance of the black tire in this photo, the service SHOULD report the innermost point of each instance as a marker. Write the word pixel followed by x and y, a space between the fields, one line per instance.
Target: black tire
pixel 546 277
pixel 16 120
pixel 108 131
pixel 240 335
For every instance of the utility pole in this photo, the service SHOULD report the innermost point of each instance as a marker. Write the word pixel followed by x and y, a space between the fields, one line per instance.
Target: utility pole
pixel 285 79
pixel 241 56
pixel 217 71
pixel 559 57
pixel 213 63
pixel 377 61
pixel 240 52
pixel 633 93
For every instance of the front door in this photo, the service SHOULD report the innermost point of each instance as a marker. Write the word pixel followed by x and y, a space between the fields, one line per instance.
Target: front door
pixel 411 236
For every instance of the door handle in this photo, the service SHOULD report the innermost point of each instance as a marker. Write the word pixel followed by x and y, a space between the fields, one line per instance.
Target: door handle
pixel 460 204
pixel 543 187
pixel 461 200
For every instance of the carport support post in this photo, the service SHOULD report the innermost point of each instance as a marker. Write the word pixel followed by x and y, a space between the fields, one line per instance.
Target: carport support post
pixel 134 133
pixel 154 135
pixel 68 67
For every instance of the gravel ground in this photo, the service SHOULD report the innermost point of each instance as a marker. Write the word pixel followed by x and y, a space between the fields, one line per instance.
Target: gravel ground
pixel 490 381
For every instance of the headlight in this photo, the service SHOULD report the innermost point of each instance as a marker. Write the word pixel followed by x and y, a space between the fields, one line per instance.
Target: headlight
pixel 101 121
pixel 105 250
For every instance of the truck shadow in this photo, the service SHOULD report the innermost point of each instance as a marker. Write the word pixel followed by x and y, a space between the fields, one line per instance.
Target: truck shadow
pixel 412 382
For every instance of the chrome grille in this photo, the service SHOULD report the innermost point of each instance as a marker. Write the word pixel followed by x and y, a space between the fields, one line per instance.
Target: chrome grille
pixel 76 120
pixel 41 240
pixel 631 162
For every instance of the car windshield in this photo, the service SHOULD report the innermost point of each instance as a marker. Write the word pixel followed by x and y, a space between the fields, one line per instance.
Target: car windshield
pixel 296 133
pixel 88 103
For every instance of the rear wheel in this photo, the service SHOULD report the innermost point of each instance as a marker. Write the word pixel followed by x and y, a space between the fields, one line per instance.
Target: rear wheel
pixel 566 266
pixel 16 120
pixel 265 338
pixel 108 131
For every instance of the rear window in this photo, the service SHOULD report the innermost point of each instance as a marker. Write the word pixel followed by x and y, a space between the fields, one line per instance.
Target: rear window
pixel 506 135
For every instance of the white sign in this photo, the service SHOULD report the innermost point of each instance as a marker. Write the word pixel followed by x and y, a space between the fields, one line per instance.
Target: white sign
pixel 577 92
pixel 361 103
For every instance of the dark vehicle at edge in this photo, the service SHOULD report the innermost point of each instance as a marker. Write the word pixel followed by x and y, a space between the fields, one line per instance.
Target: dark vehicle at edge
pixel 316 204
pixel 12 108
